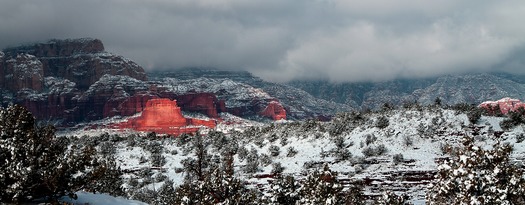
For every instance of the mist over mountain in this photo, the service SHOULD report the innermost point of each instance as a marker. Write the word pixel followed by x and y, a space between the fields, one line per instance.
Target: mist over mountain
pixel 467 88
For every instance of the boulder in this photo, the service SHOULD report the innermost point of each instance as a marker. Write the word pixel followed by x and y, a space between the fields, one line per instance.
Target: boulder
pixel 274 110
pixel 505 105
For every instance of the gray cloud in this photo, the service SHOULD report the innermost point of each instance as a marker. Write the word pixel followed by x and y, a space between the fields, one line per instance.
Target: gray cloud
pixel 340 40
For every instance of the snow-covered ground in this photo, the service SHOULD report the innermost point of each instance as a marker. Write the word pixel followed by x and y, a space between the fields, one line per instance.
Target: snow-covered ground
pixel 95 199
pixel 419 136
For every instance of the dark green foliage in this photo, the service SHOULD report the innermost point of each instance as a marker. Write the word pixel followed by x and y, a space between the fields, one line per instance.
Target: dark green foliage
pixel 474 115
pixel 437 102
pixel 375 151
pixel 277 168
pixel 33 163
pixel 157 160
pixel 382 122
pixel 216 186
pixel 323 187
pixel 478 176
pixel 166 194
pixel 284 190
pixel 252 162
pixel 106 178
pixel 514 119
pixel 390 198
pixel 274 150
pixel 291 152
pixel 370 138
pixel 340 152
pixel 398 158
pixel 345 122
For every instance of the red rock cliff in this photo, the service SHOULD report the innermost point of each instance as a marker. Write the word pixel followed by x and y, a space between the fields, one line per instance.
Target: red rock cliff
pixel 164 116
pixel 275 111
pixel 505 105
pixel 82 61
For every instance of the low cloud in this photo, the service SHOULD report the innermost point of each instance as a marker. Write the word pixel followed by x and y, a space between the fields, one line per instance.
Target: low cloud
pixel 279 40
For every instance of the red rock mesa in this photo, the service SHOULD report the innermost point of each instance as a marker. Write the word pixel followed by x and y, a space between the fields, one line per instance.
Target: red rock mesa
pixel 164 116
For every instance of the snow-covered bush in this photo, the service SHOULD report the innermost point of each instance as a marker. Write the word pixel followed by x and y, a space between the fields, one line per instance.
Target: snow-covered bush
pixel 374 151
pixel 34 163
pixel 382 122
pixel 398 158
pixel 514 119
pixel 478 176
pixel 474 115
pixel 390 198
pixel 283 190
pixel 323 187
pixel 291 152
pixel 274 150
pixel 216 187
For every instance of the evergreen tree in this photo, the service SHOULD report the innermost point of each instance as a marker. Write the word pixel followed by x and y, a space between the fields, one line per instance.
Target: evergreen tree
pixel 323 187
pixel 478 176
pixel 33 163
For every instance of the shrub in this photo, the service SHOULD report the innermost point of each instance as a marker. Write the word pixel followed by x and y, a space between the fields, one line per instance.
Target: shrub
pixel 370 138
pixel 515 118
pixel 291 152
pixel 324 187
pixel 34 163
pixel 398 158
pixel 277 168
pixel 375 151
pixel 382 122
pixel 274 150
pixel 390 198
pixel 408 141
pixel 478 176
pixel 474 115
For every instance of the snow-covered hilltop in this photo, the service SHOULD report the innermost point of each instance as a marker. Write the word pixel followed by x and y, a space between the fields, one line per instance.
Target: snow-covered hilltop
pixel 394 150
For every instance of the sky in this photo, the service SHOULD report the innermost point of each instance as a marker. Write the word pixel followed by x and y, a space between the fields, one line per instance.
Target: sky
pixel 282 40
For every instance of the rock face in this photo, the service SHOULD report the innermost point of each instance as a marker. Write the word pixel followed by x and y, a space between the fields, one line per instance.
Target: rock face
pixel 275 111
pixel 22 71
pixel 505 105
pixel 82 61
pixel 164 116
pixel 205 103
pixel 70 81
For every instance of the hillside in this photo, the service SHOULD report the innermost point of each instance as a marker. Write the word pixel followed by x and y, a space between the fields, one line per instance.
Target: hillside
pixel 394 150
pixel 467 88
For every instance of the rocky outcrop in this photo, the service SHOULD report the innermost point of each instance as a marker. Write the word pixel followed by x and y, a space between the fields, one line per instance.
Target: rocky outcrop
pixel 164 116
pixel 105 97
pixel 60 48
pixel 275 111
pixel 502 106
pixel 82 61
pixel 22 71
pixel 205 103
pixel 128 106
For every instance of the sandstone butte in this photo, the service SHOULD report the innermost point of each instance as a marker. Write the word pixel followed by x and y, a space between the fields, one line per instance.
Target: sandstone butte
pixel 163 116
pixel 275 111
pixel 505 105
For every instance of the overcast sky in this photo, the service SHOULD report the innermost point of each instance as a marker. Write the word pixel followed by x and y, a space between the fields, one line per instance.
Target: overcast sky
pixel 279 40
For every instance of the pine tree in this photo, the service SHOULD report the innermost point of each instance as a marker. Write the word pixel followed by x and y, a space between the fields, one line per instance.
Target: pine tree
pixel 33 163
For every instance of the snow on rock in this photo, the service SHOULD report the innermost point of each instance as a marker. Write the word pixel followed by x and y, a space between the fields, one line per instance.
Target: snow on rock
pixel 505 105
